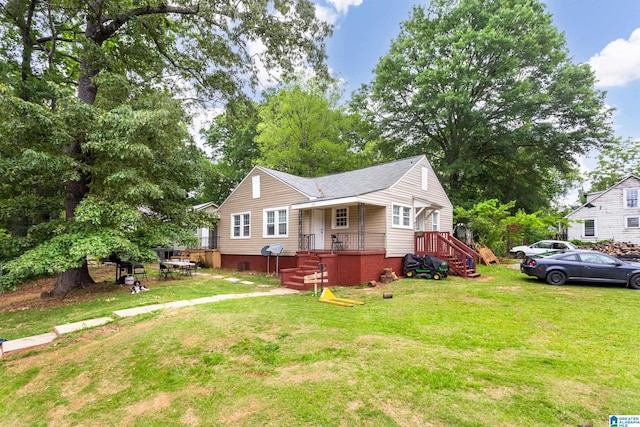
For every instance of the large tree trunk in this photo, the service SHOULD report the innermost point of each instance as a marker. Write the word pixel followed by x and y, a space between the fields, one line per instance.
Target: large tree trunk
pixel 69 280
pixel 77 190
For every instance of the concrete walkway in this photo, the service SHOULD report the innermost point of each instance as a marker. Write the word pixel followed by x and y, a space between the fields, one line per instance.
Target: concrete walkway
pixel 44 339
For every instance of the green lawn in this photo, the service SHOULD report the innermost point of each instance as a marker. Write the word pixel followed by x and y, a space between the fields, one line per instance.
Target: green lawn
pixel 500 350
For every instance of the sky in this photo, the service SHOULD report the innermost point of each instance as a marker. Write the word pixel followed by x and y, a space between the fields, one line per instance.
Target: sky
pixel 603 33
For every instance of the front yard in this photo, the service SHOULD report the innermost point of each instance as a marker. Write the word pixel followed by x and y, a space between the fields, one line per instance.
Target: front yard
pixel 500 350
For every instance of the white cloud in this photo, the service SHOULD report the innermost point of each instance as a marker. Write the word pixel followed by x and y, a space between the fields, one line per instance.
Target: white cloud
pixel 343 6
pixel 326 14
pixel 619 62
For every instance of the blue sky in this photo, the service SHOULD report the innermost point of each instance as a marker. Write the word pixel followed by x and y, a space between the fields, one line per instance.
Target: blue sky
pixel 597 32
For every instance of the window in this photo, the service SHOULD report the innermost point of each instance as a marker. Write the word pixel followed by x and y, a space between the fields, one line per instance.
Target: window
pixel 632 221
pixel 241 228
pixel 630 197
pixel 401 216
pixel 589 228
pixel 435 221
pixel 276 222
pixel 598 259
pixel 340 218
pixel 255 186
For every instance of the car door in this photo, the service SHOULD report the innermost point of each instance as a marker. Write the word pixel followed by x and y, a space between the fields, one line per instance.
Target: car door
pixel 571 264
pixel 602 268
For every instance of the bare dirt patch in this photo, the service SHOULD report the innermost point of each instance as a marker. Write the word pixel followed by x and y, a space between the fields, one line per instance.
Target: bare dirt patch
pixel 27 296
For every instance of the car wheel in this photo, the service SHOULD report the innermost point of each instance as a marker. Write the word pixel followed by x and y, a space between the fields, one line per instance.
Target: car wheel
pixel 634 282
pixel 520 255
pixel 437 276
pixel 409 273
pixel 556 278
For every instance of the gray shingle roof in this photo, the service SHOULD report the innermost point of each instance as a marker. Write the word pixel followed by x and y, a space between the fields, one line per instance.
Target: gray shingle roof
pixel 349 184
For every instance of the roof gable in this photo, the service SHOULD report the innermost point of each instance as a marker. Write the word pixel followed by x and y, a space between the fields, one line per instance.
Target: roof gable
pixel 599 194
pixel 352 183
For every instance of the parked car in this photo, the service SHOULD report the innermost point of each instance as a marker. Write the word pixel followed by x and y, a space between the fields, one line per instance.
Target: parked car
pixel 582 266
pixel 541 247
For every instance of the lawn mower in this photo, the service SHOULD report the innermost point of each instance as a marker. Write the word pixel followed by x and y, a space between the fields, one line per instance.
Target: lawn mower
pixel 424 266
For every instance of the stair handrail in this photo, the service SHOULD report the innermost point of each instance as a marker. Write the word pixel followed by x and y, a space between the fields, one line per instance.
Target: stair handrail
pixel 443 245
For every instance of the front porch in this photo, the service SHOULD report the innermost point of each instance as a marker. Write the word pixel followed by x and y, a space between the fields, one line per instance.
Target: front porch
pixel 346 266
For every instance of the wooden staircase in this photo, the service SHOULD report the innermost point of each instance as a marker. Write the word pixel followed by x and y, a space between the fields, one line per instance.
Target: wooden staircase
pixel 307 267
pixel 461 258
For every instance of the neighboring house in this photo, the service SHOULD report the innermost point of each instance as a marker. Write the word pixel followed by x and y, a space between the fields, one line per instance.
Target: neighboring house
pixel 613 214
pixel 207 236
pixel 356 223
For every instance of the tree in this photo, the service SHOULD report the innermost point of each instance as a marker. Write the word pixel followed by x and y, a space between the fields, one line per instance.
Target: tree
pixel 494 225
pixel 615 161
pixel 304 131
pixel 486 90
pixel 125 163
pixel 231 137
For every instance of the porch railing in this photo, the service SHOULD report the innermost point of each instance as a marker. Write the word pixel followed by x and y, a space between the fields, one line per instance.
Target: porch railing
pixel 344 242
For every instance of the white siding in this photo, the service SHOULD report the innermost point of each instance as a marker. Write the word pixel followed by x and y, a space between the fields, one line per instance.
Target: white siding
pixel 609 213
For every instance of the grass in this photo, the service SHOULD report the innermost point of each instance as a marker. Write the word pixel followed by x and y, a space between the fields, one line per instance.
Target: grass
pixel 501 350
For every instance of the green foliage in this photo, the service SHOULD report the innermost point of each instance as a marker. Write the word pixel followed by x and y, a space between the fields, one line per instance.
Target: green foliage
pixel 486 89
pixel 497 226
pixel 231 137
pixel 303 131
pixel 615 161
pixel 93 125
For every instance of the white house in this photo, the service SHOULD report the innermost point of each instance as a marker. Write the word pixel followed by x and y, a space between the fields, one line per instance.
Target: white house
pixel 612 214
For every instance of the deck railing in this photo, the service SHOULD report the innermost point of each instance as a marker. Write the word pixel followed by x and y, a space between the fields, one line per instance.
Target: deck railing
pixel 443 245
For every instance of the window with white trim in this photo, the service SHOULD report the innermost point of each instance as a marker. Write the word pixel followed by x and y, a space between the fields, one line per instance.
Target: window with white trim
pixel 630 197
pixel 276 222
pixel 340 218
pixel 241 225
pixel 589 229
pixel 401 216
pixel 435 221
pixel 632 222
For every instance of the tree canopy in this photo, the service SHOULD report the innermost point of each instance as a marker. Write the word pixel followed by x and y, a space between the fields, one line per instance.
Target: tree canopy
pixel 96 155
pixel 615 161
pixel 486 89
pixel 303 130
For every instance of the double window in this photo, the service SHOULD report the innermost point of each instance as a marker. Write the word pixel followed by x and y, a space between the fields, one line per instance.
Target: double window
pixel 241 225
pixel 401 216
pixel 276 222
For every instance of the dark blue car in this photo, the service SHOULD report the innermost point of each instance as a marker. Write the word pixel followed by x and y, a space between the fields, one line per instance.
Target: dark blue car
pixel 582 266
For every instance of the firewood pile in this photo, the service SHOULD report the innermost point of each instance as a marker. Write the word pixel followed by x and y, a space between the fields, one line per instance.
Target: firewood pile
pixel 617 249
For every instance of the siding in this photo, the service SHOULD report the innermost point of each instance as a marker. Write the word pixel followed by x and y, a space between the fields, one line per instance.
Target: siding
pixel 400 241
pixel 609 213
pixel 273 194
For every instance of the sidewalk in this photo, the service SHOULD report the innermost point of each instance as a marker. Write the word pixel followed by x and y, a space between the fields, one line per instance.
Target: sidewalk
pixel 21 344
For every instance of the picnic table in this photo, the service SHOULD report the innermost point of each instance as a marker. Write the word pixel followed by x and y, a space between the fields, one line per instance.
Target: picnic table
pixel 185 267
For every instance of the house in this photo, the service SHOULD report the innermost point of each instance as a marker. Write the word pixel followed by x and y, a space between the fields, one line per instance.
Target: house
pixel 355 223
pixel 207 236
pixel 612 214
